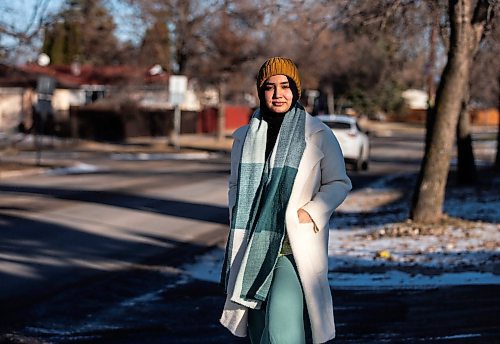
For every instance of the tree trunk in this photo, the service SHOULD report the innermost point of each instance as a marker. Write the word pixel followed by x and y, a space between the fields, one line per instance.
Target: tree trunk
pixel 221 113
pixel 464 37
pixel 497 158
pixel 330 99
pixel 431 93
pixel 431 64
pixel 466 168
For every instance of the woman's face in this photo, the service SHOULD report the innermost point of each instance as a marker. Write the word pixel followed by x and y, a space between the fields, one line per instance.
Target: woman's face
pixel 278 94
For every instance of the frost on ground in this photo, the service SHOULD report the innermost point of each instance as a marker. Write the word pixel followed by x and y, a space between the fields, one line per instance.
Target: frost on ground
pixel 372 245
pixel 369 234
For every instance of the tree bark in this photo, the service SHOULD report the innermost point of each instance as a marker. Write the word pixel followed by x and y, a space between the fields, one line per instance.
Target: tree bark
pixel 431 67
pixel 431 92
pixel 466 168
pixel 221 113
pixel 465 35
pixel 497 158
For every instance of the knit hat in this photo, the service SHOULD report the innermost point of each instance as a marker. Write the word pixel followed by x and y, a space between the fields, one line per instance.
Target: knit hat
pixel 279 66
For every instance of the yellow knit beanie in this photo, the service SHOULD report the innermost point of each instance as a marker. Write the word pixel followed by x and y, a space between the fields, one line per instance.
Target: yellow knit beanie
pixel 279 66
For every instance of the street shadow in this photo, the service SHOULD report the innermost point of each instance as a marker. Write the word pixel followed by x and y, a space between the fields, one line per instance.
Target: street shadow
pixel 362 179
pixel 39 259
pixel 177 208
pixel 398 160
pixel 396 210
pixel 188 174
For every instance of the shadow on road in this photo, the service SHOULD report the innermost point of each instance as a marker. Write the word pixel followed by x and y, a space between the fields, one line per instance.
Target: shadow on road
pixel 40 259
pixel 187 210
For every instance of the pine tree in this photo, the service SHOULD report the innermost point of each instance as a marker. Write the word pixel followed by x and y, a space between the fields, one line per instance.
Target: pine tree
pixel 155 48
pixel 84 32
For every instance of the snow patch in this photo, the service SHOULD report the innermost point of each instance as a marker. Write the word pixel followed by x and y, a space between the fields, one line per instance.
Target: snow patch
pixel 162 156
pixel 206 267
pixel 75 169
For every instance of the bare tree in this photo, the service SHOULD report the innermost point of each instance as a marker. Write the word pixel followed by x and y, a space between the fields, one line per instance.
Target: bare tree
pixel 497 157
pixel 483 92
pixel 467 25
pixel 485 76
pixel 155 47
pixel 466 168
pixel 14 36
pixel 184 19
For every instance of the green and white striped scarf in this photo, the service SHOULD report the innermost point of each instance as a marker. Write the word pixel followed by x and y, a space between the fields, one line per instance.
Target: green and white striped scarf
pixel 264 189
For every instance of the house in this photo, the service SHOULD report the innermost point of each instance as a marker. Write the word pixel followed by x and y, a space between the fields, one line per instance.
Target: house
pixel 16 97
pixel 83 89
pixel 417 102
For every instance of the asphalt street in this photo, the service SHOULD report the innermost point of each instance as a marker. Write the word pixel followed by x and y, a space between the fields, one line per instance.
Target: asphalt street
pixel 94 257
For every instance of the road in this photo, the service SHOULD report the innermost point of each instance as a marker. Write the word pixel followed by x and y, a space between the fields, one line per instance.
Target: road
pixel 95 258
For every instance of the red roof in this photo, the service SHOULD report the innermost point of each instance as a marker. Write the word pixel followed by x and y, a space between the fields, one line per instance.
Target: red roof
pixel 92 75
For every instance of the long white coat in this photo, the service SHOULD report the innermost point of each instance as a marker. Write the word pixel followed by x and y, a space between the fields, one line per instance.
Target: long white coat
pixel 320 186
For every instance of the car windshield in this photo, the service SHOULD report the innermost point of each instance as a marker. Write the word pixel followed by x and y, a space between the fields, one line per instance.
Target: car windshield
pixel 338 125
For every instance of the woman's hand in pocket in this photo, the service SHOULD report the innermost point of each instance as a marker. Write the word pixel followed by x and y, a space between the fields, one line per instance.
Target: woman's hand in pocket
pixel 304 216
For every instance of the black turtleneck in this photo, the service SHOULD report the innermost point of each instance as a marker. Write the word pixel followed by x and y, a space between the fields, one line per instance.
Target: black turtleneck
pixel 274 121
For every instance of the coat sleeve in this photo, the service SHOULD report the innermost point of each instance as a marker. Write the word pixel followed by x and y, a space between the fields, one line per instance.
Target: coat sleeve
pixel 233 179
pixel 335 184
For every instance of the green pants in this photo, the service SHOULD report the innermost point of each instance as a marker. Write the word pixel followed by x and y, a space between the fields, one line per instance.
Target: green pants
pixel 281 319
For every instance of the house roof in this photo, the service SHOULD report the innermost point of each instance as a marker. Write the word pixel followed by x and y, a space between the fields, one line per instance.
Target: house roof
pixel 13 77
pixel 68 76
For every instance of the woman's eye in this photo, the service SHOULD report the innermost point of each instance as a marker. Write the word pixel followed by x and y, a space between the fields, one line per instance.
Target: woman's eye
pixel 285 86
pixel 269 88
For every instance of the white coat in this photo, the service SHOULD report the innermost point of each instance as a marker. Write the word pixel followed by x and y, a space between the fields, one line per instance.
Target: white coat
pixel 320 186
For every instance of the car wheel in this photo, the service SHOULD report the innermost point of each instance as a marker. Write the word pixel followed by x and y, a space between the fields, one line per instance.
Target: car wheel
pixel 359 162
pixel 364 165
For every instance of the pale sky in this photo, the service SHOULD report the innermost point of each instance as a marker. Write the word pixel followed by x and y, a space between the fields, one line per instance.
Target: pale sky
pixel 20 13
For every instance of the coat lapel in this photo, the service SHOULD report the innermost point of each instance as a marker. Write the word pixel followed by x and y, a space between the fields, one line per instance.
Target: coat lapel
pixel 312 155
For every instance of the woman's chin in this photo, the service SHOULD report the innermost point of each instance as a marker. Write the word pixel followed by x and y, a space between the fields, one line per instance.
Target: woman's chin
pixel 279 109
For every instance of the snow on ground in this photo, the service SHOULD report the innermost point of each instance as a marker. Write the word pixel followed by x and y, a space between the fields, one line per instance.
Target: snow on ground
pixel 208 266
pixel 163 156
pixel 369 234
pixel 372 246
pixel 78 168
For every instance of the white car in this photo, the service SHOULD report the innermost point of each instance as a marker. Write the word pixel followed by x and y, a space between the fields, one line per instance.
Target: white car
pixel 353 141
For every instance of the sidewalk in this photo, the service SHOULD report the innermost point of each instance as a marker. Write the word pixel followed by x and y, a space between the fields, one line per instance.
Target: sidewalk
pixel 14 164
pixel 208 142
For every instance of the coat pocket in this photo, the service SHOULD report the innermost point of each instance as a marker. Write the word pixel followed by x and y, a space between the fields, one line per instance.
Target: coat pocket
pixel 313 244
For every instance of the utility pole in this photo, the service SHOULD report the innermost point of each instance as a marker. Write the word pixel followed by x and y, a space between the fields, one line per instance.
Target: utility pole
pixel 221 113
pixel 177 87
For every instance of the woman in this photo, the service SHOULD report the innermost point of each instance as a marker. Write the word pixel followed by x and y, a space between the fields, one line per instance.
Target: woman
pixel 287 178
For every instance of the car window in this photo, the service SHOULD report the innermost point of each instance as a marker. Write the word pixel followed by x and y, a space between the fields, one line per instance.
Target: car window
pixel 338 125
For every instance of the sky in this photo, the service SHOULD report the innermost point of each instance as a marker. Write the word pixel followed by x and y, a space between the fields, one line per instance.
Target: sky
pixel 20 14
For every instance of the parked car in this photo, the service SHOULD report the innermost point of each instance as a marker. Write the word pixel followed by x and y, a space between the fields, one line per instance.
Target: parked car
pixel 354 142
